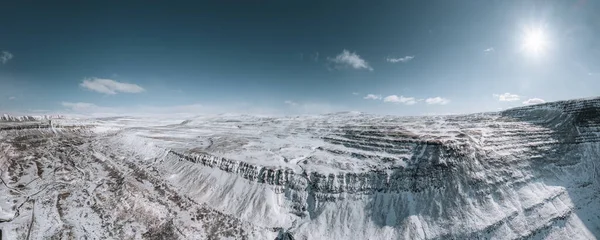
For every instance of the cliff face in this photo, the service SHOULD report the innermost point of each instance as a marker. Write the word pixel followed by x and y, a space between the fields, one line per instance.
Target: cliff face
pixel 524 173
pixel 474 176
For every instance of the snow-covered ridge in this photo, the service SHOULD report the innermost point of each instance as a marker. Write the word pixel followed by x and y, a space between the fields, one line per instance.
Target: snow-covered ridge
pixel 490 171
pixel 10 118
pixel 512 156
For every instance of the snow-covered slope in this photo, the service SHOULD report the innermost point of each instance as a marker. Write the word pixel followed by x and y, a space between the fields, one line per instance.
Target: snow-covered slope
pixel 524 173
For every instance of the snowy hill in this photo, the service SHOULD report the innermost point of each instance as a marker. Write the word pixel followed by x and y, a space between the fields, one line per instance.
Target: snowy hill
pixel 524 173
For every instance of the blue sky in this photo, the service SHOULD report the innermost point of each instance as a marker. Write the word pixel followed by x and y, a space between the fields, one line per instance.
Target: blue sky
pixel 291 57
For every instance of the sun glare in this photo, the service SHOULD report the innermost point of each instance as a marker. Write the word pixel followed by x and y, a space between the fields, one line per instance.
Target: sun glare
pixel 535 41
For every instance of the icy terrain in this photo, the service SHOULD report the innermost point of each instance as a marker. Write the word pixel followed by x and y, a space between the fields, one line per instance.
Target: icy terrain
pixel 524 173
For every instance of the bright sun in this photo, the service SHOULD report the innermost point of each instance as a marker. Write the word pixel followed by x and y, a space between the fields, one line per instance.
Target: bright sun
pixel 535 41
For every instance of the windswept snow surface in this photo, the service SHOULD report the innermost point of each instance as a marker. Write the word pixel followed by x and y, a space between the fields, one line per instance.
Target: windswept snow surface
pixel 524 173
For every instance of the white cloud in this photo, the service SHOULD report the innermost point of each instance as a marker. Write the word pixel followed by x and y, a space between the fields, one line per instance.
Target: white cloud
pixel 90 109
pixel 401 99
pixel 80 106
pixel 350 59
pixel 437 100
pixel 507 97
pixel 38 110
pixel 355 93
pixel 109 86
pixel 5 56
pixel 12 98
pixel 372 96
pixel 489 50
pixel 534 101
pixel 191 109
pixel 291 103
pixel 402 59
pixel 316 108
pixel 311 108
pixel 86 109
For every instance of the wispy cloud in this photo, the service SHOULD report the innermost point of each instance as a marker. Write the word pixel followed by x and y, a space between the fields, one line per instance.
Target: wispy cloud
pixel 109 86
pixel 355 93
pixel 5 57
pixel 373 97
pixel 80 106
pixel 401 99
pixel 507 97
pixel 291 103
pixel 311 108
pixel 90 109
pixel 534 101
pixel 350 59
pixel 489 50
pixel 402 59
pixel 437 100
pixel 12 98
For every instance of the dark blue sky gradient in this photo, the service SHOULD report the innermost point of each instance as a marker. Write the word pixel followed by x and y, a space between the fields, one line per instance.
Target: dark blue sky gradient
pixel 262 53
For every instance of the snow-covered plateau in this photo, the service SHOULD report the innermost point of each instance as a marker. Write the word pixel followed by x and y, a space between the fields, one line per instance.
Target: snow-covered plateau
pixel 524 173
